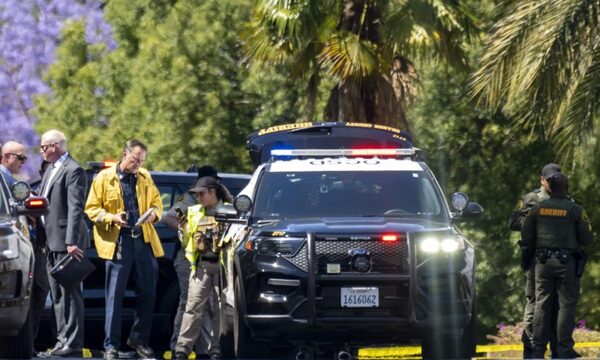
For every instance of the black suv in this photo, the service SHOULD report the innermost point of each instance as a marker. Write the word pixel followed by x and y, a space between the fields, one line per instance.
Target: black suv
pixel 172 185
pixel 16 267
pixel 344 240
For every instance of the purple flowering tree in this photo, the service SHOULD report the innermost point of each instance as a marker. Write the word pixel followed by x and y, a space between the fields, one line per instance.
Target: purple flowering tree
pixel 29 34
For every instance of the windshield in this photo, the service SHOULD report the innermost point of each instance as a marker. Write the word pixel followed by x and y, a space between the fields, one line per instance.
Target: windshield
pixel 402 194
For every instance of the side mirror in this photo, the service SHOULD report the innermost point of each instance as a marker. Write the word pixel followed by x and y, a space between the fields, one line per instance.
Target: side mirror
pixel 473 211
pixel 25 204
pixel 225 212
pixel 228 214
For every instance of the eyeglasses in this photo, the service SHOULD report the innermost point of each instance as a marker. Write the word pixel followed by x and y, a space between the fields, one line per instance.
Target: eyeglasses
pixel 45 147
pixel 136 159
pixel 21 158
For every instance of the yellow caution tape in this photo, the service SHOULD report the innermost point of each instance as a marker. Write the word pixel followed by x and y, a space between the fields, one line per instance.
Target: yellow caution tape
pixel 405 351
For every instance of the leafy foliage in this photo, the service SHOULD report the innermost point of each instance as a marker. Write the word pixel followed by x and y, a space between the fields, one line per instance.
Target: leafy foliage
pixel 29 34
pixel 542 63
pixel 176 81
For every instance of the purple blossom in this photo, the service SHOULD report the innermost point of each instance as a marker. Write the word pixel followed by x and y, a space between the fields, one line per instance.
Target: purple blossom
pixel 581 324
pixel 29 35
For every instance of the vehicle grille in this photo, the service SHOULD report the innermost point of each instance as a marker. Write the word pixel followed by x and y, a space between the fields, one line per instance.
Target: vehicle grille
pixel 385 257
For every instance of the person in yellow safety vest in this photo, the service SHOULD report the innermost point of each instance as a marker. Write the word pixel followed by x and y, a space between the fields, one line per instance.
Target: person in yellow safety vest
pixel 200 236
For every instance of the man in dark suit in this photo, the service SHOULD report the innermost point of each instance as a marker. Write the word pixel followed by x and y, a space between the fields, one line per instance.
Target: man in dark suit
pixel 64 184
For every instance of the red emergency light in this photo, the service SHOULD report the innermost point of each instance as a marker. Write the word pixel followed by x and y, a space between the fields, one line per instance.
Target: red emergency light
pixel 390 238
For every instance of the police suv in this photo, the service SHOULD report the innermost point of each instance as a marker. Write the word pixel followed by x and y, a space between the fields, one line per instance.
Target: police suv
pixel 343 239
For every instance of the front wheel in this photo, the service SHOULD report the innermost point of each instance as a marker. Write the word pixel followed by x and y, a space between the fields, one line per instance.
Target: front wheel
pixel 243 344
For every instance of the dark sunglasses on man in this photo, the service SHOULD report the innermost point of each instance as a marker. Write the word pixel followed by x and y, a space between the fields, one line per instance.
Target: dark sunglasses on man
pixel 22 158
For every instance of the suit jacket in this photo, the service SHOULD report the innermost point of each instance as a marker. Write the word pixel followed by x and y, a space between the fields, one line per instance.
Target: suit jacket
pixel 65 222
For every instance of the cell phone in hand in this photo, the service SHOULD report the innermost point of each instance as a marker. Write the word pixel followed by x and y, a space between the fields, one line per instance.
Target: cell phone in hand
pixel 179 212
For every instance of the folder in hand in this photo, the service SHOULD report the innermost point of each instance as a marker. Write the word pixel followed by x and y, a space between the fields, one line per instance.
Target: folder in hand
pixel 70 273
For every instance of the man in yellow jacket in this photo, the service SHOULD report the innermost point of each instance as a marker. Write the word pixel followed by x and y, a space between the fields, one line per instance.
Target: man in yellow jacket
pixel 123 204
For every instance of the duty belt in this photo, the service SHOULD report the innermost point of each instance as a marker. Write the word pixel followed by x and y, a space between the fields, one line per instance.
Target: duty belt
pixel 563 255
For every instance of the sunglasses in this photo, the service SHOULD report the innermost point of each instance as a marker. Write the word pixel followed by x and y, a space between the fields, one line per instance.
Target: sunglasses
pixel 45 147
pixel 21 158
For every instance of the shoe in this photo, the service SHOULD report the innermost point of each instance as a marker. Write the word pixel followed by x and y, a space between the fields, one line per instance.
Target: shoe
pixel 144 351
pixel 66 351
pixel 111 354
pixel 181 356
pixel 215 356
pixel 48 353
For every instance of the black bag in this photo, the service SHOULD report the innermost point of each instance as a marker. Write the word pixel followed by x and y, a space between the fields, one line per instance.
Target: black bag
pixel 70 273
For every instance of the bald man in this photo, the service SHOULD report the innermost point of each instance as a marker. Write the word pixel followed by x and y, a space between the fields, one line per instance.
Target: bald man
pixel 13 158
pixel 64 184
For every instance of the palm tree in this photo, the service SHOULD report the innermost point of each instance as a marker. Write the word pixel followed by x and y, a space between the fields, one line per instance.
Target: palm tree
pixel 365 44
pixel 541 64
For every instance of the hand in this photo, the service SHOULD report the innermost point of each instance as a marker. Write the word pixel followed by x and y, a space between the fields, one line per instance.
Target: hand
pixel 75 252
pixel 120 219
pixel 150 218
pixel 181 219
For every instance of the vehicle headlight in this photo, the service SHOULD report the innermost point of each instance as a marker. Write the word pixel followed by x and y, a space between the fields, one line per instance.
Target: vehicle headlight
pixel 274 246
pixel 9 247
pixel 433 245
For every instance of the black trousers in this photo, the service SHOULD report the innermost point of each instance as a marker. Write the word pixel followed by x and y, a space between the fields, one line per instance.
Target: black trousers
pixel 555 282
pixel 68 309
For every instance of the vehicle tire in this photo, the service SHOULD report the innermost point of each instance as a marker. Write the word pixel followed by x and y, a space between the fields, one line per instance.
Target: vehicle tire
pixel 243 345
pixel 19 346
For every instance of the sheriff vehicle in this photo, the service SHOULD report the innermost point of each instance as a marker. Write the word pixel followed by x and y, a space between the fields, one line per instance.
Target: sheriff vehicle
pixel 343 238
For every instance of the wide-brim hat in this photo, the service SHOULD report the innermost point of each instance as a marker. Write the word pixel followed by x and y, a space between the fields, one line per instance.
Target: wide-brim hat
pixel 206 182
pixel 208 170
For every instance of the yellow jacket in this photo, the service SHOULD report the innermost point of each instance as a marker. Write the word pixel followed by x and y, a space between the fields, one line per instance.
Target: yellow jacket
pixel 105 197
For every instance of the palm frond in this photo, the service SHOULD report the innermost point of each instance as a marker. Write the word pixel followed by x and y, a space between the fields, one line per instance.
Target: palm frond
pixel 501 51
pixel 430 28
pixel 347 56
pixel 575 122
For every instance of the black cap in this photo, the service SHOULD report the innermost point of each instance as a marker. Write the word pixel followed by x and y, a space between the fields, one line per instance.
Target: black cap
pixel 208 170
pixel 550 169
pixel 206 182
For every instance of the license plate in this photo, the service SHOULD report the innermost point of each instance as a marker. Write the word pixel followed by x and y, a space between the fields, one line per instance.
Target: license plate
pixel 359 297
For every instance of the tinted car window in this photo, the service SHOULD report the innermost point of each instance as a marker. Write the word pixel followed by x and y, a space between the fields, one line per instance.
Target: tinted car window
pixel 350 193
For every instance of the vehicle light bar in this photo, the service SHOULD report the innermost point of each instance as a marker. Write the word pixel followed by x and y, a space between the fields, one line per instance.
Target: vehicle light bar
pixel 343 152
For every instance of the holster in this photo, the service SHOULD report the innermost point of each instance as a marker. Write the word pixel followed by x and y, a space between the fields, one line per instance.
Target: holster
pixel 527 256
pixel 580 261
